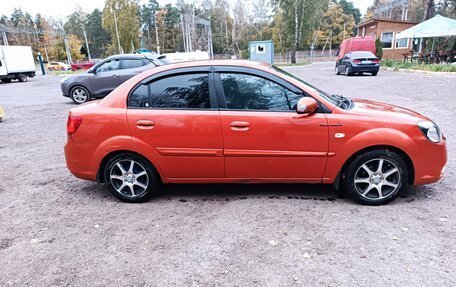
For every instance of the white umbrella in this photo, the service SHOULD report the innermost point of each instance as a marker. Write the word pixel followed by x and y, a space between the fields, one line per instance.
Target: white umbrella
pixel 438 26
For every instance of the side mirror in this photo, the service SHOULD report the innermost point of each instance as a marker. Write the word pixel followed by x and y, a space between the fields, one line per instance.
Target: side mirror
pixel 306 105
pixel 92 71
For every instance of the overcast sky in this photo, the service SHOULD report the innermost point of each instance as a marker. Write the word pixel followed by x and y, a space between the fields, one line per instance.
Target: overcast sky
pixel 62 8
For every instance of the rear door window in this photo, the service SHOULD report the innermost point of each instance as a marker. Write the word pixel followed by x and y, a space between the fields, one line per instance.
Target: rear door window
pixel 132 63
pixel 185 91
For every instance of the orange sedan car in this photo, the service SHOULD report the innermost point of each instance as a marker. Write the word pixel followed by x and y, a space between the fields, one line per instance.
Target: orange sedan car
pixel 240 122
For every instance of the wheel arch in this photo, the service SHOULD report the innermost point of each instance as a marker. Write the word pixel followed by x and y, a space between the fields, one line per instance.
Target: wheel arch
pixel 407 159
pixel 107 157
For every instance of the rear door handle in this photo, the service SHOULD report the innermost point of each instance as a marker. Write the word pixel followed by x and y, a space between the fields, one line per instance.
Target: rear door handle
pixel 145 124
pixel 240 126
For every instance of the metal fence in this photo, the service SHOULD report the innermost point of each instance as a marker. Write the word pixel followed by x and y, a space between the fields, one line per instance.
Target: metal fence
pixel 302 57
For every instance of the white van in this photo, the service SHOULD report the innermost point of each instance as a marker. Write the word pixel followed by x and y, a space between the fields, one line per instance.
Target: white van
pixel 16 63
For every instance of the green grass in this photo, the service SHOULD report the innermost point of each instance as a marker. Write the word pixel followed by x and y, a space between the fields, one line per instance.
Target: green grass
pixel 63 72
pixel 396 65
pixel 293 65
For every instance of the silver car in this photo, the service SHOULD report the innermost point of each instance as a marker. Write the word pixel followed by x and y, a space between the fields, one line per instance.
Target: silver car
pixel 104 77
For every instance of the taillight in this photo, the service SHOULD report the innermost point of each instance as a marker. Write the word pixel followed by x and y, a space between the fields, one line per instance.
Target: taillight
pixel 356 61
pixel 376 61
pixel 73 124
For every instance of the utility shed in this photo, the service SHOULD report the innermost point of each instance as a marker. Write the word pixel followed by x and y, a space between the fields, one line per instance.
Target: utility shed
pixel 262 51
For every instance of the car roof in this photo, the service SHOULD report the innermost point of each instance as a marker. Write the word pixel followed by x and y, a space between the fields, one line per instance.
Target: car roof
pixel 201 63
pixel 123 56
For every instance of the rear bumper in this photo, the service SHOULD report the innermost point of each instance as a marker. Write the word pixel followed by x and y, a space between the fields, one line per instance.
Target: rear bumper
pixel 361 68
pixel 78 160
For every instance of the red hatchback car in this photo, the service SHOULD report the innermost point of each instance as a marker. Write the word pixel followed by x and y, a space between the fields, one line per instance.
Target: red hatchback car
pixel 240 122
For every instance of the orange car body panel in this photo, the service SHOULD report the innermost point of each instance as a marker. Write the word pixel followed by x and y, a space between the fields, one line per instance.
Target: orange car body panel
pixel 203 146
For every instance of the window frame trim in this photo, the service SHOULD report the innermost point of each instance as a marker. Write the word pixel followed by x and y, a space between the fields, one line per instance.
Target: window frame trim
pixel 173 73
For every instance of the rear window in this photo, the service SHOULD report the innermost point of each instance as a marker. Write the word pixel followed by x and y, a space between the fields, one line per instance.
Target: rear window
pixel 355 55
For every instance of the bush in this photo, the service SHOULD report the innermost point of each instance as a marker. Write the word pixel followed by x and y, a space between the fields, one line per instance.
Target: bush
pixel 396 65
pixel 378 48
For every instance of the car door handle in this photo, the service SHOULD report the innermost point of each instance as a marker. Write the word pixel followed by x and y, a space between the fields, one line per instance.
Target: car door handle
pixel 145 124
pixel 240 126
pixel 114 76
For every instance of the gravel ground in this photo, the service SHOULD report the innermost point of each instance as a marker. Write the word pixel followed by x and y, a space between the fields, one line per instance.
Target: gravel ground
pixel 58 230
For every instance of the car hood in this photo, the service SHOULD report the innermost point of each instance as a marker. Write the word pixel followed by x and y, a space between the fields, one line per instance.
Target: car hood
pixel 379 109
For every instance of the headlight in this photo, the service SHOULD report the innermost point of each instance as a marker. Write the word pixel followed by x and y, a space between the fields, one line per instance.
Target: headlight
pixel 431 131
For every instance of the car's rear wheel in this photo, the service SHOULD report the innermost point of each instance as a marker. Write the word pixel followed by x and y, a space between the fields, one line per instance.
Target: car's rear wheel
pixel 376 177
pixel 131 178
pixel 22 78
pixel 347 72
pixel 374 74
pixel 337 70
pixel 79 95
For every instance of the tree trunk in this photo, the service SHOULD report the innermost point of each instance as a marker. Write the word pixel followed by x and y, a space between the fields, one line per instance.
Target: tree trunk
pixel 295 46
pixel 428 11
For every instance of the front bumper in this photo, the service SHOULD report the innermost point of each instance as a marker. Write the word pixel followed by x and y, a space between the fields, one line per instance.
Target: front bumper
pixel 65 89
pixel 430 162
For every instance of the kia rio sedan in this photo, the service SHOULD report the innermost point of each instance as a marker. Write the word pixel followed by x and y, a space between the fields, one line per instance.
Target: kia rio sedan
pixel 241 122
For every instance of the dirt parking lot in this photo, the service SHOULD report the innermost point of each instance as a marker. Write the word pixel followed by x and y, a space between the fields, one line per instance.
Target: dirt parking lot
pixel 58 230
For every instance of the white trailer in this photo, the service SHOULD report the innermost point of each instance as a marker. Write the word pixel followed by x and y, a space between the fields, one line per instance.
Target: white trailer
pixel 16 63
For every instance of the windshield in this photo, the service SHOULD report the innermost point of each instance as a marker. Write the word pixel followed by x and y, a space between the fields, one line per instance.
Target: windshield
pixel 335 99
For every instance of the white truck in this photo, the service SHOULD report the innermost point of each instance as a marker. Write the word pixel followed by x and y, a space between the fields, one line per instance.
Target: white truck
pixel 16 63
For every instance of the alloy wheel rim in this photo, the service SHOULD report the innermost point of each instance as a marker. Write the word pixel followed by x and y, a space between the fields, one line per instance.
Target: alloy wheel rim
pixel 129 178
pixel 377 179
pixel 80 95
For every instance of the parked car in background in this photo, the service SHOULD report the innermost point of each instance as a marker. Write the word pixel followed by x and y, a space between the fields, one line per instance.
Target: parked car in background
pixel 58 66
pixel 356 44
pixel 241 121
pixel 82 65
pixel 16 63
pixel 104 77
pixel 358 63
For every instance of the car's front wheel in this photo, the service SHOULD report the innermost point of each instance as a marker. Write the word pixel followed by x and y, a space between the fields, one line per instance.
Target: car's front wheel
pixel 131 178
pixel 376 177
pixel 79 95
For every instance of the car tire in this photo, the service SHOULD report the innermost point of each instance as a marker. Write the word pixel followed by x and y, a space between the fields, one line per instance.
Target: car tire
pixel 347 72
pixel 376 177
pixel 22 78
pixel 131 178
pixel 374 74
pixel 337 70
pixel 79 95
pixel 6 81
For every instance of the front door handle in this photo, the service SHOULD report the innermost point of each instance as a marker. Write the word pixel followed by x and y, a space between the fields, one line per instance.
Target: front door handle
pixel 240 126
pixel 145 124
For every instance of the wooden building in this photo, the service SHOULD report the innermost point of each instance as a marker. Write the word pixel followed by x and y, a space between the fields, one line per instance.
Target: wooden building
pixel 386 30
